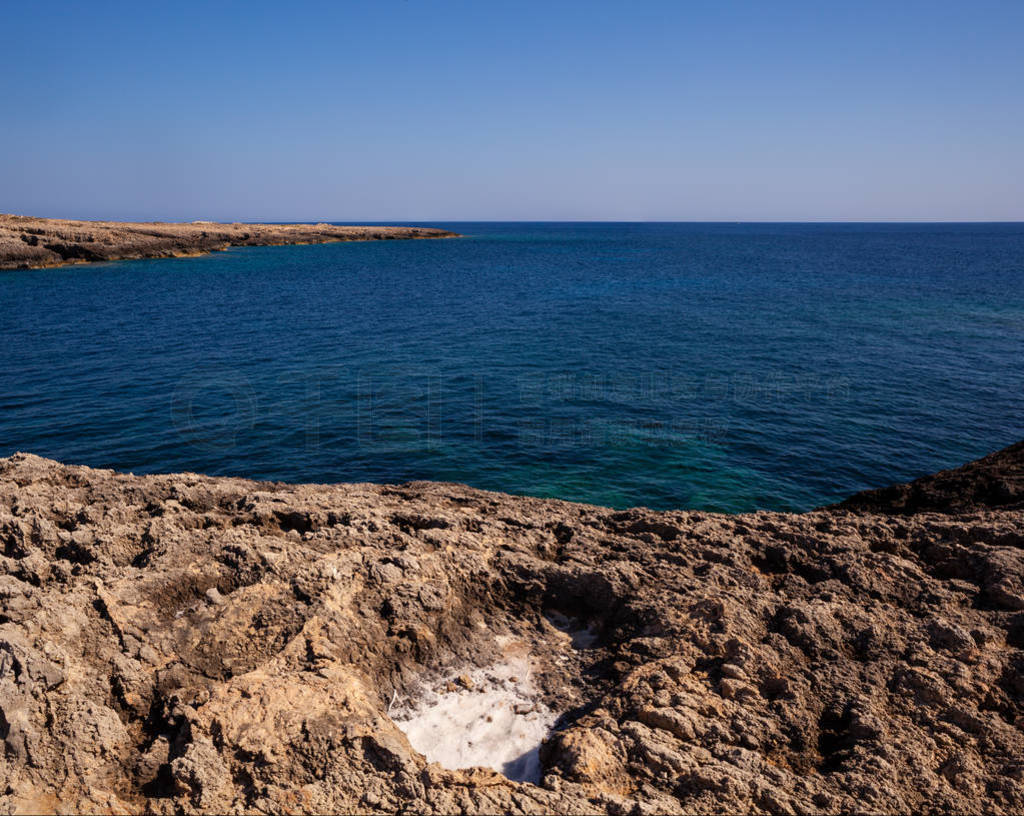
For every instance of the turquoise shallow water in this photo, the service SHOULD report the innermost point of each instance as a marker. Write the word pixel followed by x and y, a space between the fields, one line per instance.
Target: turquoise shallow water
pixel 714 366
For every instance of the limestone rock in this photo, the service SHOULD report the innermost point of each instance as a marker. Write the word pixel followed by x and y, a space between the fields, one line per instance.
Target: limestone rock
pixel 178 643
pixel 27 242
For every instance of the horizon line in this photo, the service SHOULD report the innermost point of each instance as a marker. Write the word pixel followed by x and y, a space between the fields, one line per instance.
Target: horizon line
pixel 382 221
pixel 393 221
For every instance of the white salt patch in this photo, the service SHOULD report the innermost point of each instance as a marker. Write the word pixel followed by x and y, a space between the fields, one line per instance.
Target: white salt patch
pixel 496 723
pixel 582 636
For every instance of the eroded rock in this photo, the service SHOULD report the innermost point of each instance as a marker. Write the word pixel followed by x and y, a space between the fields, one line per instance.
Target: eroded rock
pixel 184 644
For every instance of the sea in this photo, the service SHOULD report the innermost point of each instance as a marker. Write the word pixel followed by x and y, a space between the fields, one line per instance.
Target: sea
pixel 711 366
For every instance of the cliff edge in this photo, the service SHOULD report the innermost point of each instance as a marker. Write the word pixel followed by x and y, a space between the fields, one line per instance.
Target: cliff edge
pixel 179 643
pixel 995 481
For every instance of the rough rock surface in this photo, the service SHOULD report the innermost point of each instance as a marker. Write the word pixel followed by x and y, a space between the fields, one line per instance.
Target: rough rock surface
pixel 181 643
pixel 997 480
pixel 27 242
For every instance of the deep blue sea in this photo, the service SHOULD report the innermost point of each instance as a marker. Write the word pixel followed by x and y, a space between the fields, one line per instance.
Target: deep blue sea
pixel 714 366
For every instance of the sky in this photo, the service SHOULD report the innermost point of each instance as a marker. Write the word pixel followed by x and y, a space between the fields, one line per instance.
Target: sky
pixel 442 110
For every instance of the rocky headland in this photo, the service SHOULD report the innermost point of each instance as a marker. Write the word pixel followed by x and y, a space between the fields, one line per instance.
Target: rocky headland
pixel 179 643
pixel 27 243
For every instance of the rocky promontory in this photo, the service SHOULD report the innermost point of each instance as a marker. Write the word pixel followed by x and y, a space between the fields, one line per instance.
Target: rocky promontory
pixel 27 242
pixel 179 643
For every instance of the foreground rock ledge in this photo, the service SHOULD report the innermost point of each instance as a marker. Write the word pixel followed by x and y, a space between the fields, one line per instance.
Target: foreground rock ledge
pixel 27 242
pixel 183 643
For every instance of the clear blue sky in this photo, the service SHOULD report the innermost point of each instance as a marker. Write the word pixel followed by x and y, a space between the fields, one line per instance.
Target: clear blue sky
pixel 445 110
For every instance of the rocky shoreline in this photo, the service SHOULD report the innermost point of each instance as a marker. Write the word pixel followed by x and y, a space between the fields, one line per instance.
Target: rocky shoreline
pixel 180 643
pixel 30 243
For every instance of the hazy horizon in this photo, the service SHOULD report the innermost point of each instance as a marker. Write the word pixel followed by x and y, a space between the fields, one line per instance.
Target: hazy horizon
pixel 403 111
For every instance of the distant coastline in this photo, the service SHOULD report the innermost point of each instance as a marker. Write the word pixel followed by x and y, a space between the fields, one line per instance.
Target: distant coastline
pixel 35 243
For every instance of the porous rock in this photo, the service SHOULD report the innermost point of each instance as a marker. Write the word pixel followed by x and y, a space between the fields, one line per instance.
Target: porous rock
pixel 178 643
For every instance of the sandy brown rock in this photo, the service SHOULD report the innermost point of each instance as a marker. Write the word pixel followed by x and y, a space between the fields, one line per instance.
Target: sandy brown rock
pixel 182 643
pixel 27 242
